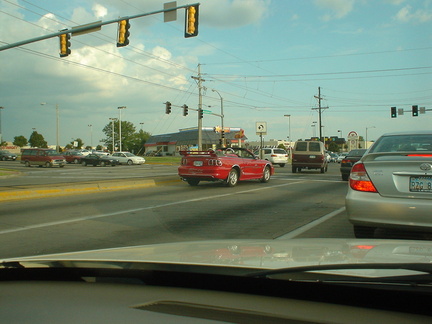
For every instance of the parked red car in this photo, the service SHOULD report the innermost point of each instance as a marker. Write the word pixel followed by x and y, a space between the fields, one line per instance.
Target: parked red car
pixel 228 165
pixel 73 156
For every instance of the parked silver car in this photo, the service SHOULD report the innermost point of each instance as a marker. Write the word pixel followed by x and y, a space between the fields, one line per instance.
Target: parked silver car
pixel 128 158
pixel 391 185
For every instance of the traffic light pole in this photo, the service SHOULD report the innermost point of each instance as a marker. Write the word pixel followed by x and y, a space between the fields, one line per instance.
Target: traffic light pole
pixel 199 107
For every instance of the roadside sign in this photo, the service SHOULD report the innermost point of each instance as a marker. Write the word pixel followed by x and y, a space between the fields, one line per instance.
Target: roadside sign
pixel 261 128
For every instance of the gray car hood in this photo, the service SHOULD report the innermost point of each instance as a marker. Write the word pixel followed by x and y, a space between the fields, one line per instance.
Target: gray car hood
pixel 250 254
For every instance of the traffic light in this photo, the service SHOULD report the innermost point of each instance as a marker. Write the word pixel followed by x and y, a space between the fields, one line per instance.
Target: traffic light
pixel 123 33
pixel 415 111
pixel 393 112
pixel 185 110
pixel 64 45
pixel 167 107
pixel 200 113
pixel 191 21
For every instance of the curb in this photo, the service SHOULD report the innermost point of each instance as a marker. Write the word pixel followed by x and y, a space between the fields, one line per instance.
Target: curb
pixel 56 190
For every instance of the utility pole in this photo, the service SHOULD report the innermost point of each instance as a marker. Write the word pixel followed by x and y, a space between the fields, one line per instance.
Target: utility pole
pixel 200 80
pixel 319 113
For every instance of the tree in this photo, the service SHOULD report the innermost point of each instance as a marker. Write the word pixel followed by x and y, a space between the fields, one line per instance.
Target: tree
pixel 20 141
pixel 333 147
pixel 131 140
pixel 37 140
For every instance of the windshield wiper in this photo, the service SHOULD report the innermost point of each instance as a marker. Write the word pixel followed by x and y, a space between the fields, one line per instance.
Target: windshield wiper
pixel 424 269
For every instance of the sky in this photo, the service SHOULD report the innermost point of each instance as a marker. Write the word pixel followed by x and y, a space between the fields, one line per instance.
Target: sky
pixel 264 59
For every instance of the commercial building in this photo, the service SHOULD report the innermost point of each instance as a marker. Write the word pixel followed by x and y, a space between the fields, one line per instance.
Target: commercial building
pixel 185 139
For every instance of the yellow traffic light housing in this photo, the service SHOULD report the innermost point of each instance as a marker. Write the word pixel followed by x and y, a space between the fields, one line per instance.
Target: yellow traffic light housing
pixel 64 45
pixel 191 21
pixel 123 33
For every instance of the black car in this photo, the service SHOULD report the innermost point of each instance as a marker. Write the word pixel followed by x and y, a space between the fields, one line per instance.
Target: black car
pixel 6 155
pixel 346 164
pixel 96 159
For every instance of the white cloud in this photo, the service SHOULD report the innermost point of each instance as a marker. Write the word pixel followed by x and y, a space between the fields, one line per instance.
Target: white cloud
pixel 419 16
pixel 233 13
pixel 338 8
pixel 99 10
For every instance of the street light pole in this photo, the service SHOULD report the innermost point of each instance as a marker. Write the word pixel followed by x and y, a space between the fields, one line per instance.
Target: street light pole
pixel 289 127
pixel 91 135
pixel 120 131
pixel 1 136
pixel 222 119
pixel 57 126
pixel 112 120
pixel 366 135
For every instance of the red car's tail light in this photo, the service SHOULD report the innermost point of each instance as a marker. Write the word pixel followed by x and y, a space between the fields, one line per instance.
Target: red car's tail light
pixel 359 179
pixel 215 162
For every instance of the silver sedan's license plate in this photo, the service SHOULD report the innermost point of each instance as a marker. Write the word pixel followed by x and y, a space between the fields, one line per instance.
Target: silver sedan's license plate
pixel 198 163
pixel 421 184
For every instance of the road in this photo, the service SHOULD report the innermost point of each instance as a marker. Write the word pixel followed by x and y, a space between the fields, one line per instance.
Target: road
pixel 307 204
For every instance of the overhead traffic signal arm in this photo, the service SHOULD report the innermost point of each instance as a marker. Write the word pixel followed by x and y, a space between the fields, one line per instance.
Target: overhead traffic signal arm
pixel 191 21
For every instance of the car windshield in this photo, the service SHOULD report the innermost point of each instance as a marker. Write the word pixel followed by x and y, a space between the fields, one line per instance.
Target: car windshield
pixel 403 143
pixel 120 79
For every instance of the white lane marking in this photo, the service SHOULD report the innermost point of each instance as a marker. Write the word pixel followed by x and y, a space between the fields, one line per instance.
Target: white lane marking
pixel 81 219
pixel 310 225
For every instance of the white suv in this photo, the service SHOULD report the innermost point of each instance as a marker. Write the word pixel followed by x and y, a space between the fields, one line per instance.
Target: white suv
pixel 275 156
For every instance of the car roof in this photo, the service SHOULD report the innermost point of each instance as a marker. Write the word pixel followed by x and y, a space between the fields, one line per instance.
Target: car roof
pixel 416 132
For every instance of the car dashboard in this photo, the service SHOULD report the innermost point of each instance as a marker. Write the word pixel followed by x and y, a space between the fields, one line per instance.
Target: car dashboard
pixel 90 295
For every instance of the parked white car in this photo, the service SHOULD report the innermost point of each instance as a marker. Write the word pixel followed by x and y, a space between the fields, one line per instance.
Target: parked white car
pixel 128 158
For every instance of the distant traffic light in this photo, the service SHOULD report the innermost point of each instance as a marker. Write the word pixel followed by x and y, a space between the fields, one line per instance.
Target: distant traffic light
pixel 415 111
pixel 123 33
pixel 191 21
pixel 185 110
pixel 167 107
pixel 393 112
pixel 64 45
pixel 200 113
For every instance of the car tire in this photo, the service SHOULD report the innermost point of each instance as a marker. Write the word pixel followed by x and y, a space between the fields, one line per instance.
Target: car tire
pixel 27 164
pixel 364 231
pixel 282 165
pixel 193 182
pixel 129 162
pixel 84 163
pixel 322 169
pixel 103 164
pixel 294 169
pixel 48 165
pixel 232 179
pixel 76 161
pixel 266 175
pixel 345 177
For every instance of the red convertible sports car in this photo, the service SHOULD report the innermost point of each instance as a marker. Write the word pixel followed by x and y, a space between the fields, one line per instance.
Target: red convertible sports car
pixel 228 165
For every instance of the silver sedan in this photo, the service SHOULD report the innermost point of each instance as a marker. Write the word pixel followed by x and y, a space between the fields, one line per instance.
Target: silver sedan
pixel 128 158
pixel 391 185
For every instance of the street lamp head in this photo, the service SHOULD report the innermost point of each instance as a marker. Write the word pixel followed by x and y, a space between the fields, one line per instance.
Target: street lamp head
pixel 122 107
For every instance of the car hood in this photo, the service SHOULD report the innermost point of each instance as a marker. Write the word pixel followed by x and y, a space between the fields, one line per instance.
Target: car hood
pixel 250 254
